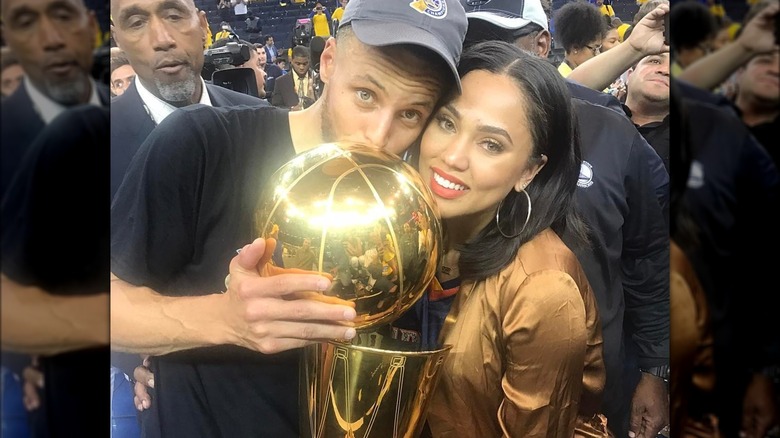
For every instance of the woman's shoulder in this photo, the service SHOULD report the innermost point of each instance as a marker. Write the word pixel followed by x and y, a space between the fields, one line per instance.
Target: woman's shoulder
pixel 540 263
pixel 546 251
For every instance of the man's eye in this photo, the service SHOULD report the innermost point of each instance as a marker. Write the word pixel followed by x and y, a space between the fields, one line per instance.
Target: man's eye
pixel 24 20
pixel 135 23
pixel 364 95
pixel 411 115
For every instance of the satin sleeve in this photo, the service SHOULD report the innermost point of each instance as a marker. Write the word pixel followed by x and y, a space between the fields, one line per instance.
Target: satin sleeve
pixel 545 337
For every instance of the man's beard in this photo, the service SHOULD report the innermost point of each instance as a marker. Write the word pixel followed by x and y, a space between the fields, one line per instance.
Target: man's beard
pixel 180 91
pixel 328 136
pixel 68 93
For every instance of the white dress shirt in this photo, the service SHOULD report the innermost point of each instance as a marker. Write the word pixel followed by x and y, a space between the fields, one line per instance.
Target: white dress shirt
pixel 49 109
pixel 159 109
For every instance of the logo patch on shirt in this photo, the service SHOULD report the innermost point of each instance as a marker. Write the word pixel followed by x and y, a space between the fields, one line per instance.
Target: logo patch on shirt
pixel 406 335
pixel 585 179
pixel 696 177
pixel 432 8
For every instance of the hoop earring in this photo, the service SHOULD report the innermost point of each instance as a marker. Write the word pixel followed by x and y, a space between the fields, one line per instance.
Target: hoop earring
pixel 527 217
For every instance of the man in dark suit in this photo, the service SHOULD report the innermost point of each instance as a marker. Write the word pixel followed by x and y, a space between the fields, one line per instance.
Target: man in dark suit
pixel 168 66
pixel 56 55
pixel 295 90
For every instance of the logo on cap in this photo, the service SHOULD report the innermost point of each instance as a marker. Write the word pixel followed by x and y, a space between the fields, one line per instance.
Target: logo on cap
pixel 433 8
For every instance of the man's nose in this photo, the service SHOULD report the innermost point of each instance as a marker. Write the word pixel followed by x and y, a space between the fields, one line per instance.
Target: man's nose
pixel 378 133
pixel 51 36
pixel 160 37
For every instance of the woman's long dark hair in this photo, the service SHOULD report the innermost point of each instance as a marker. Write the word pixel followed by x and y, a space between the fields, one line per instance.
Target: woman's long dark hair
pixel 553 133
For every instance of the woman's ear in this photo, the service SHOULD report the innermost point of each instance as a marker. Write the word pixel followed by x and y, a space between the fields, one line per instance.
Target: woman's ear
pixel 530 173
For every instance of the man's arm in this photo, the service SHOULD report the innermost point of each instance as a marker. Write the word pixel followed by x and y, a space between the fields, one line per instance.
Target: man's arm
pixel 645 266
pixel 264 309
pixel 37 322
pixel 757 37
pixel 55 244
pixel 647 38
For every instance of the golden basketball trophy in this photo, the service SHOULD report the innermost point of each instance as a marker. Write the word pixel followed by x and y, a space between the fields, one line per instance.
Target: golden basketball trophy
pixel 367 218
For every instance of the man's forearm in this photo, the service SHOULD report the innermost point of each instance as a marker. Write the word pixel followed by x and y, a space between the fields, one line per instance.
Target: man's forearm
pixel 710 71
pixel 602 70
pixel 37 322
pixel 145 322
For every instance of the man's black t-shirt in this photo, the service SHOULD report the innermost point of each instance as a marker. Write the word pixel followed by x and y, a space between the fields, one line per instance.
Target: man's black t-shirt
pixel 186 204
pixel 55 237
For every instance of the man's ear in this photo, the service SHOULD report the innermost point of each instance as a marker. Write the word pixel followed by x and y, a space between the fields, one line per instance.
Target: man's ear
pixel 543 43
pixel 113 36
pixel 204 24
pixel 328 60
pixel 93 24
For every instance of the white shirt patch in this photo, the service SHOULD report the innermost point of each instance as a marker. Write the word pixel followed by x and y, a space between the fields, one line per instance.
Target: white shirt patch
pixel 585 179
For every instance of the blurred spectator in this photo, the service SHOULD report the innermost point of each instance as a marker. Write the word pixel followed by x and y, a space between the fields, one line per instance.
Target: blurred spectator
pixel 755 62
pixel 305 257
pixel 281 62
pixel 611 37
pixel 239 8
pixel 320 19
pixel 253 23
pixel 693 30
pixel 57 58
pixel 605 6
pixel 224 9
pixel 723 34
pixel 579 28
pixel 716 8
pixel 122 75
pixel 225 31
pixel 758 99
pixel 270 49
pixel 336 16
pixel 11 72
pixel 623 31
pixel 272 71
pixel 295 90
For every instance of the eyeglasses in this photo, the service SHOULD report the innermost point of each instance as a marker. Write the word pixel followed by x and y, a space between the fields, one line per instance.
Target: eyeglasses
pixel 596 50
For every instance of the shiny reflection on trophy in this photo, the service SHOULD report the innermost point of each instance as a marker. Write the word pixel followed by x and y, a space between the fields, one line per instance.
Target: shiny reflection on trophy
pixel 366 218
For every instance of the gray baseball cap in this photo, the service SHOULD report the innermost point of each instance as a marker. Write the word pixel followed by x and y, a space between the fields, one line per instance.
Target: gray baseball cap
pixel 438 25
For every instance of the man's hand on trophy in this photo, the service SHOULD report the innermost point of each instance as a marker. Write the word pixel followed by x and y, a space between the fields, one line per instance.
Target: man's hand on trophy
pixel 144 378
pixel 276 309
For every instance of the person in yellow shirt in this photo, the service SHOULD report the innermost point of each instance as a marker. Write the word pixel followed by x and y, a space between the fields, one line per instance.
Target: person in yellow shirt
pixel 224 32
pixel 320 20
pixel 605 6
pixel 336 16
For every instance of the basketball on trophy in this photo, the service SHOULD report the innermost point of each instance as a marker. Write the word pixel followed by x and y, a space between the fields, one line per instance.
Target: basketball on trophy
pixel 363 216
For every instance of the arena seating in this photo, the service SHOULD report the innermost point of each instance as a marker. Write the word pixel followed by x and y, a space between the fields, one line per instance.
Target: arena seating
pixel 275 20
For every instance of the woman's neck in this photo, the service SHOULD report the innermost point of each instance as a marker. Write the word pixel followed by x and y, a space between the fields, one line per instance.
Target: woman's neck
pixel 462 229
